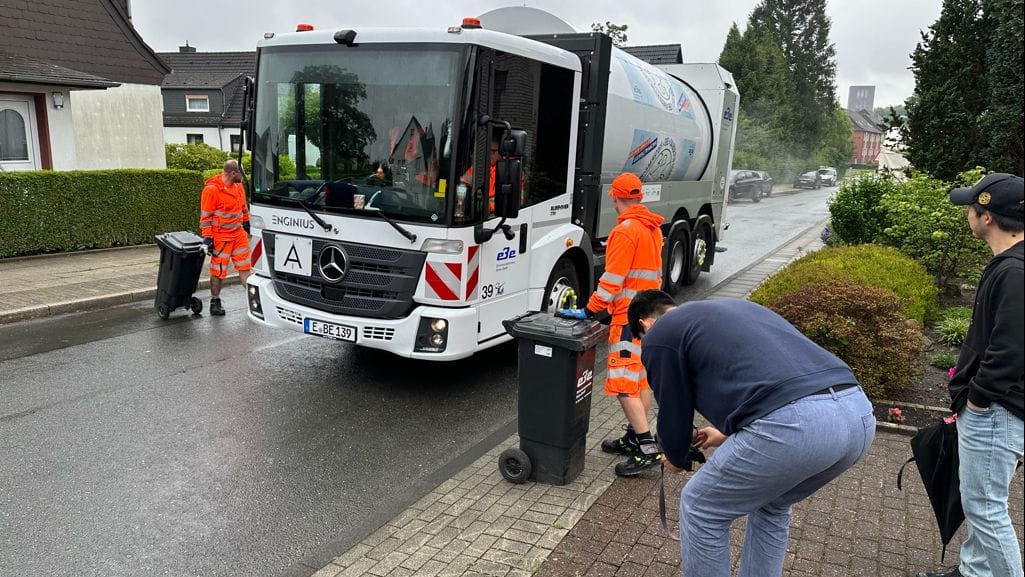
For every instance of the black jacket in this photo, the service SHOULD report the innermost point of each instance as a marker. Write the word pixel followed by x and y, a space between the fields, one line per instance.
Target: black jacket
pixel 991 368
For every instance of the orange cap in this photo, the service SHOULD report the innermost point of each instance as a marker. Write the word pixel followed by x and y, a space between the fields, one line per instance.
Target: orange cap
pixel 626 185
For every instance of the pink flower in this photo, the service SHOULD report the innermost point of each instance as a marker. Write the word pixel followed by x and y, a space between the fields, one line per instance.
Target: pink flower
pixel 950 373
pixel 950 420
pixel 895 415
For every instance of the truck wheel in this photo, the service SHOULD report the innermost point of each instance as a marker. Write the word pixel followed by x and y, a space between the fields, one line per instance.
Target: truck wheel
pixel 196 306
pixel 698 251
pixel 514 465
pixel 560 284
pixel 164 312
pixel 674 272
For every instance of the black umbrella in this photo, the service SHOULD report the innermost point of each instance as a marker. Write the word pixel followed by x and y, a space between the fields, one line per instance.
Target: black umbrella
pixel 935 452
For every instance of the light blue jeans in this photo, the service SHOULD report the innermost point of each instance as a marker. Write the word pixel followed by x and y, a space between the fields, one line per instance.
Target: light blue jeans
pixel 989 444
pixel 761 471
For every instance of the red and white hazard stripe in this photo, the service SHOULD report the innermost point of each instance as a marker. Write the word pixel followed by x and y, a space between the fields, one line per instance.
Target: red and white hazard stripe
pixel 472 270
pixel 443 280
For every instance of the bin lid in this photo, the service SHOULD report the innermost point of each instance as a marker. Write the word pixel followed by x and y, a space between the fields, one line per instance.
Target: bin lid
pixel 569 334
pixel 181 241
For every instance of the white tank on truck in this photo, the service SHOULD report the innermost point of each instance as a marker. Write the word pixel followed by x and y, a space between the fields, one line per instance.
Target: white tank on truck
pixel 447 180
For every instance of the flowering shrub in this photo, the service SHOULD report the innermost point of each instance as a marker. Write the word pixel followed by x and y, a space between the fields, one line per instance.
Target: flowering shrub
pixel 895 415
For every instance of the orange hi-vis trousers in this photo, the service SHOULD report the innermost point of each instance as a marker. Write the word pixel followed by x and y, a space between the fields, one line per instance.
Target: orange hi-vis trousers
pixel 626 375
pixel 230 248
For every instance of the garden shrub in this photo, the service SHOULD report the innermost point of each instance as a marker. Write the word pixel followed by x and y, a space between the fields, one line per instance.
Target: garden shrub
pixel 864 326
pixel 943 360
pixel 869 265
pixel 197 157
pixel 73 210
pixel 923 224
pixel 855 212
pixel 953 325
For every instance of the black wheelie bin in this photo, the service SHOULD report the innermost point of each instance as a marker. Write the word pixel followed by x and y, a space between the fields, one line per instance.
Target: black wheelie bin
pixel 182 255
pixel 556 375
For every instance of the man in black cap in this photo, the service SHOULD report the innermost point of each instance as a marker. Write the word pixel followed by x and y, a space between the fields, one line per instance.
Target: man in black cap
pixel 987 387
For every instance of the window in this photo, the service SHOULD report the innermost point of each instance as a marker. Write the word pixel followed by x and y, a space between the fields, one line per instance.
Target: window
pixel 197 103
pixel 236 143
pixel 13 137
pixel 194 138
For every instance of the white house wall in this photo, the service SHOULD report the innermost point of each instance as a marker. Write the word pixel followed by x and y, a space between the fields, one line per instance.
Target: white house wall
pixel 119 127
pixel 215 137
pixel 60 123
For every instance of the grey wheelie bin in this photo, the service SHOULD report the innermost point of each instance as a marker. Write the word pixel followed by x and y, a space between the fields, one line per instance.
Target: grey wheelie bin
pixel 182 255
pixel 556 374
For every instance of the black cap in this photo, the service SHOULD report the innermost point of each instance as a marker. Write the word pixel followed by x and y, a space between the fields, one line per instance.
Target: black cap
pixel 999 193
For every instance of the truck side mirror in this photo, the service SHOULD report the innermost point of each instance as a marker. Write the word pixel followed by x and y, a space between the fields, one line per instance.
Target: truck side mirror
pixel 508 185
pixel 513 143
pixel 248 118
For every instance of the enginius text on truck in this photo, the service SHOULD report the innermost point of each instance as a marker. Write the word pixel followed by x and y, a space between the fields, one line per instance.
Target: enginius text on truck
pixel 413 188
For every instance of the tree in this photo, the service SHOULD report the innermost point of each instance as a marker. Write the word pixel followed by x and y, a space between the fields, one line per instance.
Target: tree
pixel 615 31
pixel 886 111
pixel 837 147
pixel 949 64
pixel 801 28
pixel 1001 123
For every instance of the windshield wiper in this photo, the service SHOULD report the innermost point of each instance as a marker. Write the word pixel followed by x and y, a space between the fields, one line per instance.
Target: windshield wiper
pixel 395 225
pixel 323 224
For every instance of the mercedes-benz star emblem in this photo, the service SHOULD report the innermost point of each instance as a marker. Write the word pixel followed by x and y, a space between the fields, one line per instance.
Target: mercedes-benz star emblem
pixel 332 262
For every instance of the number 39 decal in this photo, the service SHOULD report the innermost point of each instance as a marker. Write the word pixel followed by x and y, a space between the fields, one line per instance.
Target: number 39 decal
pixel 492 290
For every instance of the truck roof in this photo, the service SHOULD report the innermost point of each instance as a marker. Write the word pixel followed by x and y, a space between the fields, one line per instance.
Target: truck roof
pixel 488 38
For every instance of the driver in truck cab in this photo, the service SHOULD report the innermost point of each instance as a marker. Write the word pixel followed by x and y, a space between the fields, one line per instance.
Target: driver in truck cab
pixel 633 262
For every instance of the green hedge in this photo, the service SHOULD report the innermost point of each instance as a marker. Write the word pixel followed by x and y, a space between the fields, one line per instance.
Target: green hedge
pixel 869 265
pixel 49 211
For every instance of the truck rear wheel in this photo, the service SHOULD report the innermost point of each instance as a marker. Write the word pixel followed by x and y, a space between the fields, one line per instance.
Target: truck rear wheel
pixel 674 273
pixel 562 282
pixel 700 244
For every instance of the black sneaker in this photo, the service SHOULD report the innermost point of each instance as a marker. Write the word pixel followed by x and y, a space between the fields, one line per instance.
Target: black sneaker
pixel 215 308
pixel 952 572
pixel 625 445
pixel 648 456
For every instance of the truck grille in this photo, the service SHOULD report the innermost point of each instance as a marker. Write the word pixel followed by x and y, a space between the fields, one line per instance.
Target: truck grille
pixel 378 282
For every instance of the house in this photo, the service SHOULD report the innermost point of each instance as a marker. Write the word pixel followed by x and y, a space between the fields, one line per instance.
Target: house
pixel 79 88
pixel 867 137
pixel 203 96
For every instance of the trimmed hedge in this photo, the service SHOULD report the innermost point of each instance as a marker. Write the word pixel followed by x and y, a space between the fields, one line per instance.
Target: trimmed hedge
pixel 870 265
pixel 47 211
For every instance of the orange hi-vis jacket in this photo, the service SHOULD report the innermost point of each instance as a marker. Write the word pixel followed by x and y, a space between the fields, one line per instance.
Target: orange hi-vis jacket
pixel 222 209
pixel 633 262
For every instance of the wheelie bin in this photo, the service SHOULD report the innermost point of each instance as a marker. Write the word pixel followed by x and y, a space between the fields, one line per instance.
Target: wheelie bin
pixel 182 255
pixel 556 375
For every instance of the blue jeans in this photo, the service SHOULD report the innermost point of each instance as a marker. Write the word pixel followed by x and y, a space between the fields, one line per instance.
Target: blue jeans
pixel 761 471
pixel 989 443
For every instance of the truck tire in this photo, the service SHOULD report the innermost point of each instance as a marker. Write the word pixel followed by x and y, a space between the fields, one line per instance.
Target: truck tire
pixel 674 270
pixel 562 280
pixel 700 243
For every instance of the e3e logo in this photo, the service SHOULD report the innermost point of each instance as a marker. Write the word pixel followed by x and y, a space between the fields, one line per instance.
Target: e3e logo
pixel 507 253
pixel 727 114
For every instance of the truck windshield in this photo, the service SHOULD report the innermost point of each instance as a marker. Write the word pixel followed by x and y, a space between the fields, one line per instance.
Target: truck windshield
pixel 354 129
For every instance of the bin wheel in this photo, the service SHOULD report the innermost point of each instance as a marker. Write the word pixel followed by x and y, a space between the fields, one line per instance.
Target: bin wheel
pixel 164 312
pixel 514 465
pixel 196 306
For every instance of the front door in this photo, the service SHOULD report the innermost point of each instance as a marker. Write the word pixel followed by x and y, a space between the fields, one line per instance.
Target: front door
pixel 19 145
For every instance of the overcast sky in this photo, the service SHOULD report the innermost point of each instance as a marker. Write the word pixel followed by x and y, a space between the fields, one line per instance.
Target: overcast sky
pixel 873 38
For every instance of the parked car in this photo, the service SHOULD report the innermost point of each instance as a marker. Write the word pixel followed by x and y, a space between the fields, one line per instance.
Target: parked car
pixel 828 176
pixel 745 184
pixel 766 188
pixel 808 179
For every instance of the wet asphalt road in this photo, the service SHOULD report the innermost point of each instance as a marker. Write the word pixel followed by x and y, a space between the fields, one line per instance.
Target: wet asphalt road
pixel 210 446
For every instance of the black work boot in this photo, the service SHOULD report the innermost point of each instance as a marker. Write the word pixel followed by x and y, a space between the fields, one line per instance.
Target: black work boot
pixel 215 307
pixel 952 572
pixel 625 445
pixel 649 454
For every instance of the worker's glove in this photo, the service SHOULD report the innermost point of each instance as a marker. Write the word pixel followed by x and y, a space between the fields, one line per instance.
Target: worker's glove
pixel 580 314
pixel 208 245
pixel 245 226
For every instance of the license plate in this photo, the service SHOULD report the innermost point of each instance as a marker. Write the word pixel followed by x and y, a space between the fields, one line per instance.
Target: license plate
pixel 329 330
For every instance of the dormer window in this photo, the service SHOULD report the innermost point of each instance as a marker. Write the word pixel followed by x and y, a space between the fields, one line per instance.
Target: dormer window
pixel 197 103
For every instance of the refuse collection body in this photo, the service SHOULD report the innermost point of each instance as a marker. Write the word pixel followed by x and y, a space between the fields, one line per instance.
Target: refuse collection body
pixel 556 375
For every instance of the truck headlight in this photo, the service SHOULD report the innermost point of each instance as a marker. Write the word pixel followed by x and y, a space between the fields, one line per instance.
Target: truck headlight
pixel 255 305
pixel 442 246
pixel 432 336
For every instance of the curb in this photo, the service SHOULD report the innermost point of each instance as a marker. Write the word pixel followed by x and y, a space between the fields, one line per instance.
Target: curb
pixel 906 430
pixel 91 303
pixel 75 252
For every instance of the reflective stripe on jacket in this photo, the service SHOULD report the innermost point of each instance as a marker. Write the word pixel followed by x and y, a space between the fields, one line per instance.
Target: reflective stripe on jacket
pixel 633 262
pixel 222 209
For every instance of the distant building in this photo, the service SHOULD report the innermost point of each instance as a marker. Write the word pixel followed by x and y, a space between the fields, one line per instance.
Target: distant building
pixel 867 137
pixel 203 96
pixel 79 88
pixel 861 98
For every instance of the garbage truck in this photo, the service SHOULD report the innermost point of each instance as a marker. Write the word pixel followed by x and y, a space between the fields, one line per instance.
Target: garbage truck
pixel 413 188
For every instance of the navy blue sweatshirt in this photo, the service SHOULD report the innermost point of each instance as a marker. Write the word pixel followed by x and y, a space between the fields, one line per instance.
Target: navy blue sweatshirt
pixel 733 361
